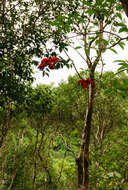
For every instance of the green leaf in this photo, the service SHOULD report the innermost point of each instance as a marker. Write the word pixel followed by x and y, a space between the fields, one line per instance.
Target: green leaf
pixel 105 42
pixel 96 42
pixel 115 83
pixel 90 11
pixel 119 16
pixel 86 51
pixel 77 47
pixel 123 29
pixel 87 3
pixel 114 50
pixel 124 64
pixel 119 61
pixel 60 18
pixel 121 44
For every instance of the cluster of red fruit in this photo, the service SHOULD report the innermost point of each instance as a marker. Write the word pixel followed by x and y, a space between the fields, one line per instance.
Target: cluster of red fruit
pixel 86 82
pixel 50 62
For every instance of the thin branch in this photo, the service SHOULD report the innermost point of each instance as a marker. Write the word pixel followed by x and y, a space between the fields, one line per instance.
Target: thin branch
pixel 79 53
pixel 87 54
pixel 104 31
pixel 75 36
pixel 73 65
pixel 100 47
pixel 67 146
pixel 109 47
pixel 102 68
pixel 34 23
pixel 99 32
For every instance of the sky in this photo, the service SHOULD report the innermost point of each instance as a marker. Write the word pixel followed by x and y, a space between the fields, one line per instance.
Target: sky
pixel 56 76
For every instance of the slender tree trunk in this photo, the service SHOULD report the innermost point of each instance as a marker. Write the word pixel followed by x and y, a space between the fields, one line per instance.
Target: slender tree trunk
pixel 34 172
pixel 34 176
pixel 13 180
pixel 6 124
pixel 83 160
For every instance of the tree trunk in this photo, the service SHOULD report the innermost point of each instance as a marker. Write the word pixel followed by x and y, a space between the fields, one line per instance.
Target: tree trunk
pixel 34 172
pixel 5 125
pixel 13 180
pixel 125 6
pixel 83 160
pixel 34 176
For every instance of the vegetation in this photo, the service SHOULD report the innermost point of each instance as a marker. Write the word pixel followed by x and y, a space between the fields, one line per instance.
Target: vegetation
pixel 73 136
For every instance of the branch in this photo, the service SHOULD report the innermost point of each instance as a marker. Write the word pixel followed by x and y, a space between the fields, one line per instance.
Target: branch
pixel 100 47
pixel 116 43
pixel 79 53
pixel 67 146
pixel 89 63
pixel 104 31
pixel 120 38
pixel 73 65
pixel 34 23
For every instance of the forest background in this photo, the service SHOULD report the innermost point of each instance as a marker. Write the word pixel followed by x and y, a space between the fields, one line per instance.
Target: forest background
pixel 65 137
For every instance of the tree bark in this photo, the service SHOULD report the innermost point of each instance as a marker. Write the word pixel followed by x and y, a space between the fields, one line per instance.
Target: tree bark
pixel 83 160
pixel 125 6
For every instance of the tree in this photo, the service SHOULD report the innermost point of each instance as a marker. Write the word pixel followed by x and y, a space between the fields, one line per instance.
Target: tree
pixel 95 22
pixel 24 31
pixel 69 116
pixel 26 27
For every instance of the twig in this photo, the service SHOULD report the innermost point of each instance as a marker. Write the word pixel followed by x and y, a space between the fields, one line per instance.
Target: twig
pixel 67 146
pixel 79 53
pixel 104 31
pixel 73 65
pixel 116 43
